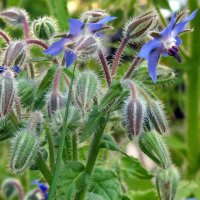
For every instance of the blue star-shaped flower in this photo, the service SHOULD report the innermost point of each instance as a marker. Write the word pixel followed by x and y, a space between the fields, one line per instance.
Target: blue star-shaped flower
pixel 76 28
pixel 166 43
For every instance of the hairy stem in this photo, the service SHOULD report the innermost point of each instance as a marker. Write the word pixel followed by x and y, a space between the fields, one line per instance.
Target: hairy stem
pixel 75 147
pixel 62 142
pixel 32 71
pixel 118 56
pixel 105 67
pixel 135 63
pixel 5 36
pixel 68 152
pixel 26 28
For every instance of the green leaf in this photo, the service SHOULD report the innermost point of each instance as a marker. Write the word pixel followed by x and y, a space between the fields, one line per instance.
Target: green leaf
pixel 105 183
pixel 144 195
pixel 92 196
pixel 131 167
pixel 67 180
pixel 125 197
pixel 44 86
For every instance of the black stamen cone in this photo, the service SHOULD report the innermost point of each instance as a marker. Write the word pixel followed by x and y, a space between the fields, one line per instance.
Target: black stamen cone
pixel 173 52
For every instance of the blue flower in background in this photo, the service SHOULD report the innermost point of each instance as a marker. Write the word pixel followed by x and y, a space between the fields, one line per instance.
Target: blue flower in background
pixel 166 43
pixel 43 188
pixel 15 69
pixel 75 30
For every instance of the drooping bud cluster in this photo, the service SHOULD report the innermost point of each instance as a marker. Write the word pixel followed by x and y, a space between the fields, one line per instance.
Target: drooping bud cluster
pixel 7 92
pixel 86 88
pixel 15 54
pixel 152 144
pixel 167 182
pixel 93 16
pixel 25 147
pixel 44 28
pixel 137 29
pixel 14 16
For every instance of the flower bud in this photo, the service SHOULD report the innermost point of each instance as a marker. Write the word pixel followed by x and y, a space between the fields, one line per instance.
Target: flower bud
pixel 34 195
pixel 86 89
pixel 35 121
pixel 15 54
pixel 25 147
pixel 167 182
pixel 152 144
pixel 7 93
pixel 14 16
pixel 87 46
pixel 10 187
pixel 137 28
pixel 55 101
pixel 44 28
pixel 133 117
pixel 93 16
pixel 156 117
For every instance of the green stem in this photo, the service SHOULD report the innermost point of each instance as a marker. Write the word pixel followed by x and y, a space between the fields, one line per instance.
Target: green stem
pixel 51 147
pixel 62 142
pixel 75 147
pixel 68 154
pixel 92 157
pixel 42 166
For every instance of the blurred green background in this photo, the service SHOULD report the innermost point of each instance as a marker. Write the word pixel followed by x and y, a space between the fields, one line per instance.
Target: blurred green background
pixel 180 96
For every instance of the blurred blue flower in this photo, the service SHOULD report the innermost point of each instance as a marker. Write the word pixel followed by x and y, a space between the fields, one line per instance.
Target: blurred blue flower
pixel 43 188
pixel 75 30
pixel 166 43
pixel 15 69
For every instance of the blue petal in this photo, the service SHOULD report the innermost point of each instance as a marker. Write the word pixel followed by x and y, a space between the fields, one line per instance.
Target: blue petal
pixel 106 19
pixel 149 47
pixel 56 47
pixel 16 69
pixel 152 64
pixel 76 26
pixel 2 69
pixel 42 186
pixel 178 41
pixel 180 27
pixel 167 31
pixel 70 57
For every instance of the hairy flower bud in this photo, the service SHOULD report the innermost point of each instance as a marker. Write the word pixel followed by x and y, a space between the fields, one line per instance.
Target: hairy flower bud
pixel 10 187
pixel 93 16
pixel 14 16
pixel 44 28
pixel 55 101
pixel 86 89
pixel 87 46
pixel 167 182
pixel 137 28
pixel 15 54
pixel 152 144
pixel 133 117
pixel 155 117
pixel 25 147
pixel 7 92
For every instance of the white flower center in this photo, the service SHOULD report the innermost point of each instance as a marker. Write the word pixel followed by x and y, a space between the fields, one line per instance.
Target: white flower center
pixel 169 43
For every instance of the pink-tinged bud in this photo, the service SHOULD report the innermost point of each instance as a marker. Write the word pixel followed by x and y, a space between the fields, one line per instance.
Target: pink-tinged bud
pixel 133 117
pixel 7 93
pixel 14 16
pixel 15 54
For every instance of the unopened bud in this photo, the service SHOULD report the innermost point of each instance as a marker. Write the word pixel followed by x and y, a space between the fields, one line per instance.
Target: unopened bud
pixel 133 117
pixel 93 16
pixel 15 54
pixel 152 144
pixel 10 187
pixel 137 28
pixel 55 101
pixel 25 147
pixel 156 117
pixel 44 28
pixel 35 121
pixel 86 89
pixel 14 16
pixel 34 195
pixel 167 181
pixel 7 92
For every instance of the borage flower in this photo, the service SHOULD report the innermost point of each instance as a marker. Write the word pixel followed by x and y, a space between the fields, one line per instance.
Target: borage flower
pixel 165 43
pixel 43 188
pixel 69 42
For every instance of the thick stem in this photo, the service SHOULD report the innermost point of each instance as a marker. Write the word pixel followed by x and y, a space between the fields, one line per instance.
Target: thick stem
pixel 62 142
pixel 42 166
pixel 32 71
pixel 91 159
pixel 132 89
pixel 26 28
pixel 118 56
pixel 105 67
pixel 135 63
pixel 56 80
pixel 68 152
pixel 5 37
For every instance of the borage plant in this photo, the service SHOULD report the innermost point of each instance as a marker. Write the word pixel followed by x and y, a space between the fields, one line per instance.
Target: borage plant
pixel 65 121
